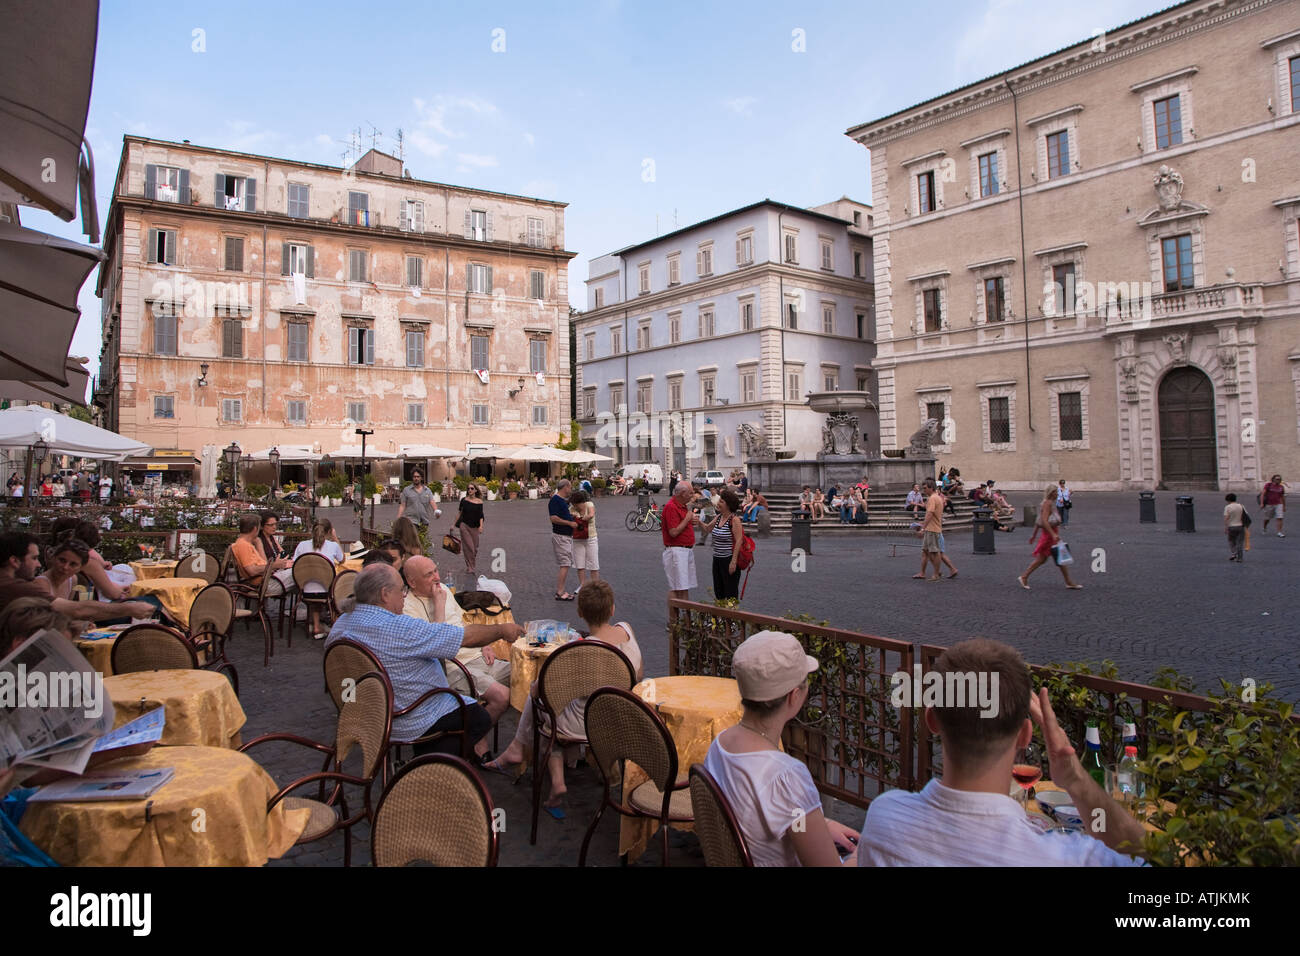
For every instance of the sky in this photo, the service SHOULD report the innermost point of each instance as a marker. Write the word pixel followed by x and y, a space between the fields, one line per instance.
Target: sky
pixel 641 116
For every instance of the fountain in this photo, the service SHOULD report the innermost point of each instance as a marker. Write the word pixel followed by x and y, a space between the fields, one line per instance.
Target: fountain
pixel 842 460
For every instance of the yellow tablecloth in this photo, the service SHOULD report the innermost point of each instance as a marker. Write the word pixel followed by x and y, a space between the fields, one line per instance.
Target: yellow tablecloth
pixel 500 648
pixel 351 564
pixel 695 710
pixel 232 829
pixel 175 594
pixel 148 572
pixel 525 663
pixel 99 653
pixel 202 708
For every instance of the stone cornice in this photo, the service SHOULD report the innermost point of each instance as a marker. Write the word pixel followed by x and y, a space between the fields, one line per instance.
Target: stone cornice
pixel 1163 78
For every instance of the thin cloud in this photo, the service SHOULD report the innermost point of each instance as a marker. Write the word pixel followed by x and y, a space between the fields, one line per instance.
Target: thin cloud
pixel 479 160
pixel 741 105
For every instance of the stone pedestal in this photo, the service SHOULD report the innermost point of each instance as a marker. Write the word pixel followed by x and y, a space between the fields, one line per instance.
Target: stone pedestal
pixel 887 475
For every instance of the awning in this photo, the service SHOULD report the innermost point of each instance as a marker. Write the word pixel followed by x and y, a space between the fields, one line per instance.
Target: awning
pixel 74 391
pixel 160 464
pixel 47 60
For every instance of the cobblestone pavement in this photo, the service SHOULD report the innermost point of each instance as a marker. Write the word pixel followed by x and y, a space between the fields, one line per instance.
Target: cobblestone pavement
pixel 1152 597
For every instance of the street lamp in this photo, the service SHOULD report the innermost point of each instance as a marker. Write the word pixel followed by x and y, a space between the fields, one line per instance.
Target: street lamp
pixel 365 470
pixel 311 478
pixel 231 454
pixel 274 456
pixel 40 448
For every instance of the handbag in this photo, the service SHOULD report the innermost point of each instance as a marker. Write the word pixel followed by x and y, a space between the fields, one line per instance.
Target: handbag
pixel 451 543
pixel 1061 554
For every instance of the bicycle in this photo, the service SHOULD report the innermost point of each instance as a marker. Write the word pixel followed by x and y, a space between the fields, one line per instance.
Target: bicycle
pixel 634 517
pixel 649 521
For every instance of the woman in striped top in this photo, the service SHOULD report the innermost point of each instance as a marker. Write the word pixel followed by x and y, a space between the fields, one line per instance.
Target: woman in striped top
pixel 727 538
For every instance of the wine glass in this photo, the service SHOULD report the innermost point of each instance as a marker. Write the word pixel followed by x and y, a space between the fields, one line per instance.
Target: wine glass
pixel 1027 770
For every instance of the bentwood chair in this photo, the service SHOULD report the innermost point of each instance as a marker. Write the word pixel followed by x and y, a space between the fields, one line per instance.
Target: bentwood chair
pixel 436 810
pixel 715 822
pixel 341 590
pixel 573 672
pixel 212 618
pixel 621 727
pixel 365 721
pixel 313 575
pixel 152 647
pixel 198 564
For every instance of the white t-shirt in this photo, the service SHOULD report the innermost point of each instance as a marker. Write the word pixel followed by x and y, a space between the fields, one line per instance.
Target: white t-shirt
pixel 769 791
pixel 941 826
pixel 331 549
pixel 1233 513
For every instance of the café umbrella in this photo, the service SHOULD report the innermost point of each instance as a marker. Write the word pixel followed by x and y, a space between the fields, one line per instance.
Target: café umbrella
pixel 24 427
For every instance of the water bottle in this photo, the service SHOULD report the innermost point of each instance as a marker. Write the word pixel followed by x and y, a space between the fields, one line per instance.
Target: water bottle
pixel 1126 777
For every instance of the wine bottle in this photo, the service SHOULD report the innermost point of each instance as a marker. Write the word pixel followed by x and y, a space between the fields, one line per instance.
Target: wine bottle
pixel 1092 756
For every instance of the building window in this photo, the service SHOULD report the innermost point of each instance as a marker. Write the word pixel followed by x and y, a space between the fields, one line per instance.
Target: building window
pixel 357 265
pixel 589 403
pixel 297 259
pixel 1295 84
pixel 745 250
pixel 675 395
pixel 1177 258
pixel 674 269
pixel 644 397
pixel 616 399
pixel 412 216
pixel 936 410
pixel 1169 122
pixel 857 265
pixel 480 415
pixel 600 298
pixel 358 209
pixel 296 413
pixel 591 345
pixel 232 338
pixel 644 273
pixel 1058 154
pixel 414 272
pixel 925 192
pixel 232 410
pixel 298 338
pixel 674 327
pixel 861 318
pixel 791 248
pixel 536 284
pixel 747 315
pixel 616 340
pixel 706 323
pixel 862 382
pixel 539 414
pixel 989 174
pixel 234 254
pixel 361 346
pixel 298 196
pixel 1071 416
pixel 357 412
pixel 414 348
pixel 476 225
pixel 704 260
pixel 478 352
pixel 643 336
pixel 235 192
pixel 167 184
pixel 537 356
pixel 999 421
pixel 414 413
pixel 792 315
pixel 479 279
pixel 748 385
pixel 708 388
pixel 164 406
pixel 828 319
pixel 793 385
pixel 830 380
pixel 164 333
pixel 995 302
pixel 162 246
pixel 828 255
pixel 1063 284
pixel 933 310
pixel 536 236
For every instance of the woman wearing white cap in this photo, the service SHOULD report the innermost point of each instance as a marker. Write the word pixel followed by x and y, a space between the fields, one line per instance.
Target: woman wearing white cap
pixel 772 794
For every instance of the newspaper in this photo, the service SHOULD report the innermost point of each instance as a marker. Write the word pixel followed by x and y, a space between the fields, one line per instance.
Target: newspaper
pixel 53 705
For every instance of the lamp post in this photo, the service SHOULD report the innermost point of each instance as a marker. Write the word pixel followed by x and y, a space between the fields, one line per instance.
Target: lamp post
pixel 365 470
pixel 311 477
pixel 40 448
pixel 231 454
pixel 274 457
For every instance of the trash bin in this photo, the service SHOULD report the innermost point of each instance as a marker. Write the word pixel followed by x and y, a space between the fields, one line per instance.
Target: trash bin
pixel 643 497
pixel 1184 516
pixel 985 527
pixel 801 532
pixel 1146 507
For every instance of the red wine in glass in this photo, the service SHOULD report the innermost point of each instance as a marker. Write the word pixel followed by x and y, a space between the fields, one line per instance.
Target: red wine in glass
pixel 1026 775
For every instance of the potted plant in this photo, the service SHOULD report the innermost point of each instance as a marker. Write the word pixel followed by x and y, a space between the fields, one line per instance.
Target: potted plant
pixel 493 488
pixel 599 485
pixel 462 483
pixel 436 488
pixel 513 489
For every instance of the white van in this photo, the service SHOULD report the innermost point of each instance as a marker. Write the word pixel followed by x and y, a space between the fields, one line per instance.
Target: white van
pixel 651 472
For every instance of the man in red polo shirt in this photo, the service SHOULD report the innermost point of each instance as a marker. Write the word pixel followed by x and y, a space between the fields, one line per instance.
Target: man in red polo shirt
pixel 678 528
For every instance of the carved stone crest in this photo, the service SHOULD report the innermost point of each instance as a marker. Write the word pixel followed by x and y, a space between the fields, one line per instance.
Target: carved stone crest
pixel 1177 342
pixel 1228 362
pixel 1128 372
pixel 1169 188
pixel 840 434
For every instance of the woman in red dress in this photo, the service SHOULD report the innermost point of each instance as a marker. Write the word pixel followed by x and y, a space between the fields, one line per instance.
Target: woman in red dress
pixel 1047 524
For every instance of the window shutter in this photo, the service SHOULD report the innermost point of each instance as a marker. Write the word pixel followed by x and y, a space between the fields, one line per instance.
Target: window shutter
pixel 183 193
pixel 225 339
pixel 170 241
pixel 250 195
pixel 239 339
pixel 469 278
pixel 489 279
pixel 150 182
pixel 311 262
pixel 469 224
pixel 219 190
pixel 403 219
pixel 370 346
pixel 489 227
pixel 151 253
pixel 699 263
pixel 284 258
pixel 352 346
pixel 419 217
pixel 739 260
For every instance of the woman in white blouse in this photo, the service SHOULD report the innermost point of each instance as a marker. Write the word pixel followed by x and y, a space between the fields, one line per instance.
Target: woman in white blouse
pixel 324 541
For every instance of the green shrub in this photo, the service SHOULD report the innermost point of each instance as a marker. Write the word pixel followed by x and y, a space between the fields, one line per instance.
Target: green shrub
pixel 600 484
pixel 435 487
pixel 256 490
pixel 514 488
pixel 494 485
pixel 461 482
pixel 332 487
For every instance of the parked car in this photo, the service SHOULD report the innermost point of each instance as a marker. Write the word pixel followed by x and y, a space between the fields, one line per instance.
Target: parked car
pixel 710 479
pixel 653 475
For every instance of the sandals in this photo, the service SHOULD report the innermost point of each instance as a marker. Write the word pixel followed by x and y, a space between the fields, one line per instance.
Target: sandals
pixel 566 596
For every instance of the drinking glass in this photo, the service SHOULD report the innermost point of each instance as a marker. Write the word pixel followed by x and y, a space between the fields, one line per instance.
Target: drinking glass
pixel 1027 770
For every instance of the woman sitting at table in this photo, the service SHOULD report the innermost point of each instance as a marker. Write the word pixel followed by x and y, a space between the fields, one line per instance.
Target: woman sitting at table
pixel 407 537
pixel 772 794
pixel 251 560
pixel 270 547
pixel 65 562
pixel 109 584
pixel 325 542
pixel 596 607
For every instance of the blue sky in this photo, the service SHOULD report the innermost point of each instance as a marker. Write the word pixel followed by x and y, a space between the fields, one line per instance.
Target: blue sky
pixel 714 94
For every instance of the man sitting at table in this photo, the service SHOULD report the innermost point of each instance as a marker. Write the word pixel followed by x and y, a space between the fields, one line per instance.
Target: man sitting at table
pixel 411 652
pixel 248 553
pixel 20 559
pixel 967 819
pixel 431 600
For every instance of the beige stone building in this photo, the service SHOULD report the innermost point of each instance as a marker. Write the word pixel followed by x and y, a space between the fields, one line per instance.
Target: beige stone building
pixel 1087 267
pixel 270 301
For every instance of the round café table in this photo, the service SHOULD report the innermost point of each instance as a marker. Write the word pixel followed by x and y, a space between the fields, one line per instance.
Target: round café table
pixel 175 594
pixel 150 570
pixel 525 664
pixel 202 708
pixel 695 710
pixel 96 646
pixel 212 812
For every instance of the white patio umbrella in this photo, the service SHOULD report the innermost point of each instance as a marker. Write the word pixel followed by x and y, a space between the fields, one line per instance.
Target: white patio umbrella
pixel 22 427
pixel 580 457
pixel 288 454
pixel 428 451
pixel 47 60
pixel 354 451
pixel 40 277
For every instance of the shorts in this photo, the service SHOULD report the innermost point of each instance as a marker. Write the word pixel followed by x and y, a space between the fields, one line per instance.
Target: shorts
pixel 482 673
pixel 586 556
pixel 563 546
pixel 942 549
pixel 1275 511
pixel 930 542
pixel 679 566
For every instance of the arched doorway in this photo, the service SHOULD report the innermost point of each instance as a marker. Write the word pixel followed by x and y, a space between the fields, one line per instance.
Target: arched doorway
pixel 1188 454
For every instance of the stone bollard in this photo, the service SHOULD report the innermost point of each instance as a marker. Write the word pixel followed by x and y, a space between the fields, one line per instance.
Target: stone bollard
pixel 1031 516
pixel 764 524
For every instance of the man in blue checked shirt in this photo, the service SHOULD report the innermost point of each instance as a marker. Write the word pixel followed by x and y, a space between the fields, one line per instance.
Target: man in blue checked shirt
pixel 412 652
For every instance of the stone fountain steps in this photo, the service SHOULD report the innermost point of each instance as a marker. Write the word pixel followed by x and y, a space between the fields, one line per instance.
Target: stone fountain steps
pixel 886 514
